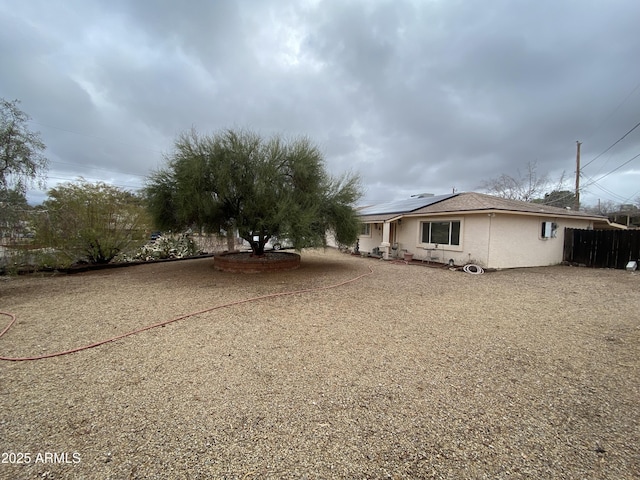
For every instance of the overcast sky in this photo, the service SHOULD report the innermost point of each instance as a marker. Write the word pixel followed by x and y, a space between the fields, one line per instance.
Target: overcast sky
pixel 415 96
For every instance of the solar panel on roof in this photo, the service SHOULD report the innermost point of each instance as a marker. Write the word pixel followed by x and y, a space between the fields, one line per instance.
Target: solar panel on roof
pixel 403 206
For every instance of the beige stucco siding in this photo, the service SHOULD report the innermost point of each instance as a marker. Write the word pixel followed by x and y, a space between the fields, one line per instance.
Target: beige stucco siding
pixel 406 235
pixel 474 230
pixel 496 240
pixel 516 241
pixel 369 242
pixel 408 238
pixel 475 246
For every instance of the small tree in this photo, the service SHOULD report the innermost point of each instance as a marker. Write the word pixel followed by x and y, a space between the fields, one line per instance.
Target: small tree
pixel 21 158
pixel 236 180
pixel 92 222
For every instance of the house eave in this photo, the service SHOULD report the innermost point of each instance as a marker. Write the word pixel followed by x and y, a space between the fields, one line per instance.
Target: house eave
pixel 505 212
pixel 380 218
pixel 609 225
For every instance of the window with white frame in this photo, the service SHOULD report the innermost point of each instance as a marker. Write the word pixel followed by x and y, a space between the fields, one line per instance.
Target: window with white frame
pixel 549 230
pixel 441 233
pixel 365 229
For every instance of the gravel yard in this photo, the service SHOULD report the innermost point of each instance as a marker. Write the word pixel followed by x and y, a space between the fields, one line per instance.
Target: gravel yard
pixel 410 372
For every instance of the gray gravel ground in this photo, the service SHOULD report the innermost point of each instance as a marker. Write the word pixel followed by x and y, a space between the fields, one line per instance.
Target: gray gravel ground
pixel 411 372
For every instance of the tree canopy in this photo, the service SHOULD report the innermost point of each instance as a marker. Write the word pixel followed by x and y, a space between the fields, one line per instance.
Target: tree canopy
pixel 21 158
pixel 525 186
pixel 263 188
pixel 558 198
pixel 531 187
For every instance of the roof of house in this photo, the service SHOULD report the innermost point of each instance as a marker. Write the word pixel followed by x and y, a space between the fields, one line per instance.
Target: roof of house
pixel 467 202
pixel 402 206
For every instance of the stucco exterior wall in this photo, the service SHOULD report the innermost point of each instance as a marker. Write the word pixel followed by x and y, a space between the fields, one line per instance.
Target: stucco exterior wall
pixel 516 241
pixel 475 241
pixel 369 242
pixel 407 236
pixel 496 240
pixel 474 230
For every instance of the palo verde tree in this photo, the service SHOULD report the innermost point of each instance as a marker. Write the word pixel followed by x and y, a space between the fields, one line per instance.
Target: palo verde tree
pixel 263 188
pixel 92 222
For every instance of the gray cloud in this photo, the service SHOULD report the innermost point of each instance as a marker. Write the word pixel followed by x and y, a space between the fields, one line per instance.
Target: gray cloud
pixel 415 96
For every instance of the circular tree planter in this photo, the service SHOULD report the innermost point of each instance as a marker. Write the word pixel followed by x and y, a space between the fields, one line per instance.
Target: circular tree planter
pixel 241 262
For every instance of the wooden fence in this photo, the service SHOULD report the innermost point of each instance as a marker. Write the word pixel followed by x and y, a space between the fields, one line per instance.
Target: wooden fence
pixel 601 248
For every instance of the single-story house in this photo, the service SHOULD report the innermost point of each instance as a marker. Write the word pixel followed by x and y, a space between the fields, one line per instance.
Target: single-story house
pixel 471 228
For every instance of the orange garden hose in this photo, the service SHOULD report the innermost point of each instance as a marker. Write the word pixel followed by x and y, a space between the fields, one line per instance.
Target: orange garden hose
pixel 167 322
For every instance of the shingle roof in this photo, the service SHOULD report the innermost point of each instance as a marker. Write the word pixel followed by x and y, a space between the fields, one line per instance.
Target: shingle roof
pixel 472 202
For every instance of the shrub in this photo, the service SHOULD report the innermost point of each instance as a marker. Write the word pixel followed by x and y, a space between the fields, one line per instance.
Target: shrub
pixel 163 247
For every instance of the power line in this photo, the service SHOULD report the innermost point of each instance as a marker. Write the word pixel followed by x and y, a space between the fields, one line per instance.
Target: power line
pixel 635 195
pixel 591 182
pixel 616 169
pixel 629 95
pixel 624 100
pixel 612 145
pixel 620 198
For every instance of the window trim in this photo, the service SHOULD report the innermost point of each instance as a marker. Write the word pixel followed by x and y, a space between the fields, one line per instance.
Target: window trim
pixel 367 230
pixel 548 230
pixel 444 246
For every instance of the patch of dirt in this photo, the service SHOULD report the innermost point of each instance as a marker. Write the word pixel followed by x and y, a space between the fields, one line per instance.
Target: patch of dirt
pixel 409 372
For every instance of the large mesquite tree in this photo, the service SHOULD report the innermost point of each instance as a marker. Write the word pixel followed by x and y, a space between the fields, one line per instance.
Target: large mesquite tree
pixel 263 188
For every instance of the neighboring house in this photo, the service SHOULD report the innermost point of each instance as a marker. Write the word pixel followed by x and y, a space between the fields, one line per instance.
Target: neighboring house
pixel 471 228
pixel 628 215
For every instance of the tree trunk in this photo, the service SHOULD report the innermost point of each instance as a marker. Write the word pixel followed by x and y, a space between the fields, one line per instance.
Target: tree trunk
pixel 258 248
pixel 231 240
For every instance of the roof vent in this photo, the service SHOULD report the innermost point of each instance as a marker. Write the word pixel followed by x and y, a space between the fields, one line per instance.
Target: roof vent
pixel 422 195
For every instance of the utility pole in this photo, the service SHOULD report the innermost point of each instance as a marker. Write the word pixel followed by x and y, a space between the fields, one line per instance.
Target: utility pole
pixel 576 205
